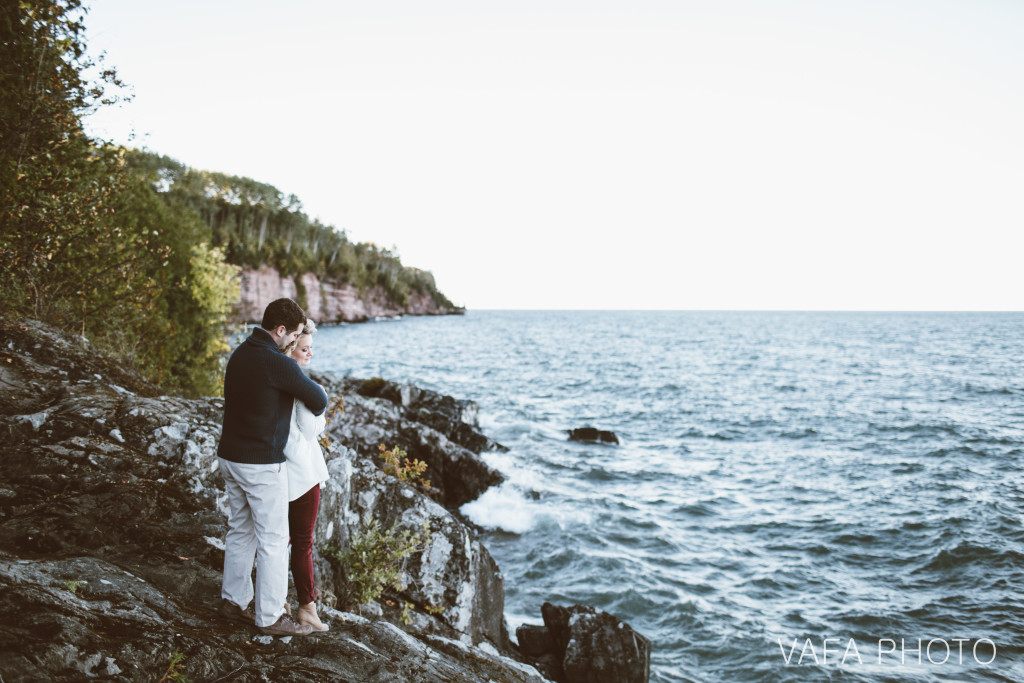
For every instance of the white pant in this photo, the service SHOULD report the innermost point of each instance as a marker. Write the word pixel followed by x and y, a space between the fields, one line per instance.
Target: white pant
pixel 257 528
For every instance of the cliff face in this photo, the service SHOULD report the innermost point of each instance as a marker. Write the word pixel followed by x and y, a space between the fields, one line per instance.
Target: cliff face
pixel 326 301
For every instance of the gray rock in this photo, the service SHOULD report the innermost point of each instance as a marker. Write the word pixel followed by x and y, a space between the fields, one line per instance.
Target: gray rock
pixel 596 647
pixel 454 576
pixel 375 414
pixel 535 641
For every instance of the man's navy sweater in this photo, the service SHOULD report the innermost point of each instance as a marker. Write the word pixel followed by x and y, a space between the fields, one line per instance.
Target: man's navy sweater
pixel 260 385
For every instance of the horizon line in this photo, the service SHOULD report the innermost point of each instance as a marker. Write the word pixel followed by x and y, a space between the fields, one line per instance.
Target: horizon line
pixel 750 310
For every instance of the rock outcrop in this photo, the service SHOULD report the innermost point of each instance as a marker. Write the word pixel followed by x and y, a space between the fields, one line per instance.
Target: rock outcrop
pixel 112 515
pixel 435 429
pixel 80 618
pixel 327 301
pixel 111 527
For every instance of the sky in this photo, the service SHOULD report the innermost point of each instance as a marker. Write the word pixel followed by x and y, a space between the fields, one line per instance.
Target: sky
pixel 613 154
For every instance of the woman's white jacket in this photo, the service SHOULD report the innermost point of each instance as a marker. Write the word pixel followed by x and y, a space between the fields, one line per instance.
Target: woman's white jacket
pixel 306 465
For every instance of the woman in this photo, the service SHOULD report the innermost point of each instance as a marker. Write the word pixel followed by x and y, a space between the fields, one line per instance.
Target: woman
pixel 306 471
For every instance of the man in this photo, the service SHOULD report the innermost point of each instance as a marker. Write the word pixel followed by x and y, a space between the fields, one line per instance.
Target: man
pixel 260 386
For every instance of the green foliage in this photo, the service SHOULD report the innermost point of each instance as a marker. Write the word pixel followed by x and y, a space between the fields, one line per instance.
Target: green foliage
pixel 398 465
pixel 72 586
pixel 256 224
pixel 212 286
pixel 59 242
pixel 174 672
pixel 180 341
pixel 375 559
pixel 406 616
pixel 86 243
pixel 300 293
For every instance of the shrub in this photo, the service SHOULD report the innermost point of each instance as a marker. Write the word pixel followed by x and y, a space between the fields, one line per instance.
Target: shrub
pixel 174 672
pixel 398 465
pixel 376 559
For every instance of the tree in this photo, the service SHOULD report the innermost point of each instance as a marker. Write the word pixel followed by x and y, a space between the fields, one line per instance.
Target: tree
pixel 64 256
pixel 85 242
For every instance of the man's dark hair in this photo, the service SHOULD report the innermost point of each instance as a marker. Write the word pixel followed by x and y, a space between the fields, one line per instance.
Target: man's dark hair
pixel 283 312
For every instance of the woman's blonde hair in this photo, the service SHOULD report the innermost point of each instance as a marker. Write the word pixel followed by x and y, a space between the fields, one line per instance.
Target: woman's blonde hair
pixel 309 328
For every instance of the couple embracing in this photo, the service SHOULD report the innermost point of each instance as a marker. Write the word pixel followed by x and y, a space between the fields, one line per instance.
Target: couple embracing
pixel 272 467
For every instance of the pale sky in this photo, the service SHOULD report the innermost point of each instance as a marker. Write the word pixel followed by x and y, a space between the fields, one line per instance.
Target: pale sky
pixel 612 154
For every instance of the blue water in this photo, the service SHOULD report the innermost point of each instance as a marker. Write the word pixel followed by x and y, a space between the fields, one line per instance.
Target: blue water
pixel 783 479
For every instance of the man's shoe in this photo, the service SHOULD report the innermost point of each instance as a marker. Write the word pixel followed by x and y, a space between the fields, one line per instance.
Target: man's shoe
pixel 230 610
pixel 285 627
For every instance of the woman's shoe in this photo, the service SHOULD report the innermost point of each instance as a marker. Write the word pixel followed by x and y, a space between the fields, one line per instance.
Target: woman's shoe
pixel 306 614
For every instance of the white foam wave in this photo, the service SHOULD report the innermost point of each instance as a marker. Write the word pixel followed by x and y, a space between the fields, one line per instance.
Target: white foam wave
pixel 502 508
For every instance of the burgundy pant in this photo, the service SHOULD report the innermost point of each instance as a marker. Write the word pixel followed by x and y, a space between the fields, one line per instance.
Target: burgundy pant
pixel 301 519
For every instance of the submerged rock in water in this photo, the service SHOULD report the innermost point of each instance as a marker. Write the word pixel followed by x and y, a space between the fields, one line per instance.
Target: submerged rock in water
pixel 592 435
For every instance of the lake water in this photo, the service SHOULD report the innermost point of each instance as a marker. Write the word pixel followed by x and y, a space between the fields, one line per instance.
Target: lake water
pixel 796 496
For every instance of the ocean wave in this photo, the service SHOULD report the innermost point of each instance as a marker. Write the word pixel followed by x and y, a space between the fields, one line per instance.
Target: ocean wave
pixel 917 429
pixel 502 508
pixel 810 547
pixel 956 451
pixel 600 474
pixel 908 468
pixel 703 508
pixel 995 441
pixel 727 435
pixel 980 390
pixel 880 559
pixel 967 554
pixel 799 433
pixel 868 625
pixel 849 539
pixel 514 430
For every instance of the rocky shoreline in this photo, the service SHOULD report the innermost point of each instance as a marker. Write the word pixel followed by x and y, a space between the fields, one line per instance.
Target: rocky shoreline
pixel 111 527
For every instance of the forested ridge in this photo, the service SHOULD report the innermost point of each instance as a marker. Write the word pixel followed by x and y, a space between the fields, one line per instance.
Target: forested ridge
pixel 136 251
pixel 255 224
